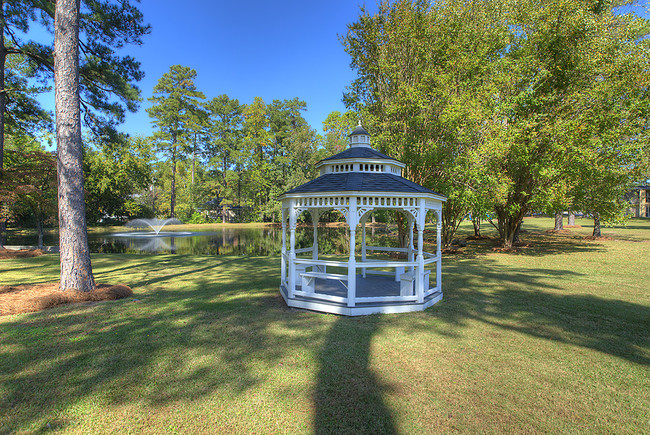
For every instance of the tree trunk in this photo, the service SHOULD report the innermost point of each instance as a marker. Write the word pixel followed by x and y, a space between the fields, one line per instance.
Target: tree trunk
pixel 401 230
pixel 476 222
pixel 172 204
pixel 76 269
pixel 558 221
pixel 572 218
pixel 515 238
pixel 3 95
pixel 3 105
pixel 596 232
pixel 39 226
pixel 509 226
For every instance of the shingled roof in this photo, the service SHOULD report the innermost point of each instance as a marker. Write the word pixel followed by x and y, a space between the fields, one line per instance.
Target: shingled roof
pixel 359 130
pixel 361 182
pixel 359 153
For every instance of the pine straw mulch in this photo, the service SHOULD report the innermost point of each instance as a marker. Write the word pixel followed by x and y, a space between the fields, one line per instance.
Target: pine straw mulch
pixel 28 298
pixel 6 254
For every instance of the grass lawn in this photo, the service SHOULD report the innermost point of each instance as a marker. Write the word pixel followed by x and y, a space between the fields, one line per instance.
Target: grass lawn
pixel 555 338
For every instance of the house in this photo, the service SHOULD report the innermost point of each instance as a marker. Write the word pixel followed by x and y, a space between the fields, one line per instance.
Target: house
pixel 639 199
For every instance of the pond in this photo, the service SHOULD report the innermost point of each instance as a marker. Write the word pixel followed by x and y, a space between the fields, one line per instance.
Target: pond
pixel 254 241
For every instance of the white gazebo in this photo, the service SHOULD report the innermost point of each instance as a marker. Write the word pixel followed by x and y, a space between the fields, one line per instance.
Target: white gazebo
pixel 355 182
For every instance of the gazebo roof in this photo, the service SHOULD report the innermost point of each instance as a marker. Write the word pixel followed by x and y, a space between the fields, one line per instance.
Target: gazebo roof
pixel 362 182
pixel 359 153
pixel 359 130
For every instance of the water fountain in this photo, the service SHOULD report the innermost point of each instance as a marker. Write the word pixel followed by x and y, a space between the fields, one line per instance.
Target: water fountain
pixel 156 225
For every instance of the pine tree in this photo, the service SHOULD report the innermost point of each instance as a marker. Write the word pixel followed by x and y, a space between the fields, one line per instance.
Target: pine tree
pixel 76 268
pixel 175 100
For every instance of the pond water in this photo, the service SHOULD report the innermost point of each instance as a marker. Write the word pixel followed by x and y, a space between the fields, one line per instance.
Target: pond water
pixel 262 240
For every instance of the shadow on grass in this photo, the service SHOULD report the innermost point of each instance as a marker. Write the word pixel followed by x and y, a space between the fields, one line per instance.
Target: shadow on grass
pixel 217 326
pixel 526 300
pixel 193 337
pixel 348 396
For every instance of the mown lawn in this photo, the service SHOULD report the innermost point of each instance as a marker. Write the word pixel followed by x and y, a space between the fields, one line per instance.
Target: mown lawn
pixel 555 338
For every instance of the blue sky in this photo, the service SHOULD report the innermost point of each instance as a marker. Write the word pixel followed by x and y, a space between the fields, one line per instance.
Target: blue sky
pixel 273 49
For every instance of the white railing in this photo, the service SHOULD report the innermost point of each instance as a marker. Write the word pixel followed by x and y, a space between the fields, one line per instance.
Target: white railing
pixel 368 264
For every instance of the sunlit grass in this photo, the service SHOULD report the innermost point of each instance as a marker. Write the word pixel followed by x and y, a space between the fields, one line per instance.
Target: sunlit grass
pixel 555 338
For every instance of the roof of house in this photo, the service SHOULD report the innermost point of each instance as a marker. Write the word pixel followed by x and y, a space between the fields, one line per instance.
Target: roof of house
pixel 361 182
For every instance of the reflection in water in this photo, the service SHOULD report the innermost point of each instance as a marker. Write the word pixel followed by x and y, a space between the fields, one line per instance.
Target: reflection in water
pixel 255 241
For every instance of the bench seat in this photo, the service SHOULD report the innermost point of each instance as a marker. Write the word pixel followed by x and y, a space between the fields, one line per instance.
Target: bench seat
pixel 309 278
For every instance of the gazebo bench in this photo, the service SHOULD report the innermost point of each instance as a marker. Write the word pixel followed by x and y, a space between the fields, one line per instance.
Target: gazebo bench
pixel 309 279
pixel 406 283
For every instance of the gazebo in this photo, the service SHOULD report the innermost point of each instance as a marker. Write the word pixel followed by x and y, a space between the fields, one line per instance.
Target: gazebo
pixel 356 182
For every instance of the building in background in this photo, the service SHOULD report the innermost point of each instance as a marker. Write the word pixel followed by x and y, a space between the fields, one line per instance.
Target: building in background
pixel 639 199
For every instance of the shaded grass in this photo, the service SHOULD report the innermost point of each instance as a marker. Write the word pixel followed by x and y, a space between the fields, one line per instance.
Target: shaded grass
pixel 552 339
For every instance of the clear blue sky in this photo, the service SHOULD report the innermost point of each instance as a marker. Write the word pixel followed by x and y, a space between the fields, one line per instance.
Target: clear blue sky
pixel 273 49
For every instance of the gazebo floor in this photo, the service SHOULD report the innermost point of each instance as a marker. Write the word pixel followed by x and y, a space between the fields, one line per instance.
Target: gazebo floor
pixel 371 286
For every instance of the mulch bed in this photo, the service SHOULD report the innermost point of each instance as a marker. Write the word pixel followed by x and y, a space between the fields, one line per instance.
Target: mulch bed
pixel 28 298
pixel 6 254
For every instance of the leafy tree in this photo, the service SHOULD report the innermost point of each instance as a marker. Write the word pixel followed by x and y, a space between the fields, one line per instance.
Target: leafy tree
pixel 559 58
pixel 336 127
pixel 114 174
pixel 174 112
pixel 425 89
pixel 30 185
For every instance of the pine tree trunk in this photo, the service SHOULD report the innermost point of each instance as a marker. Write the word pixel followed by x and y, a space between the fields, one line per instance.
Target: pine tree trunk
pixel 558 221
pixel 3 95
pixel 172 204
pixel 76 269
pixel 596 232
pixel 3 104
pixel 572 218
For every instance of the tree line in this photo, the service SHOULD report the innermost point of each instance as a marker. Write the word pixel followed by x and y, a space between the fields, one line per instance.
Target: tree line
pixel 508 107
pixel 505 107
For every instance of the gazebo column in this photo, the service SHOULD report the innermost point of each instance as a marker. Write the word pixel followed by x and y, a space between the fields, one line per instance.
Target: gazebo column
pixel 292 249
pixel 315 218
pixel 283 270
pixel 439 249
pixel 352 262
pixel 419 277
pixel 411 247
pixel 363 244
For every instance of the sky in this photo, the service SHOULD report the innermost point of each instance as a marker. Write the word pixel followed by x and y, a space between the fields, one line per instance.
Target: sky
pixel 272 49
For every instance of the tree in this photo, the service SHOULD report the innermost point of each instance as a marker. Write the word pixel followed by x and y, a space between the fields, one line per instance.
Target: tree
pixel 104 25
pixel 30 186
pixel 114 173
pixel 561 55
pixel 336 127
pixel 76 268
pixel 224 146
pixel 425 89
pixel 175 100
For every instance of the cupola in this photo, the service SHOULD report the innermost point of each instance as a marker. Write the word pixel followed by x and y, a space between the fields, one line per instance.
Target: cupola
pixel 359 137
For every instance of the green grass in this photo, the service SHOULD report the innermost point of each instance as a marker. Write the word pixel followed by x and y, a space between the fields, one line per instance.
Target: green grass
pixel 555 338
